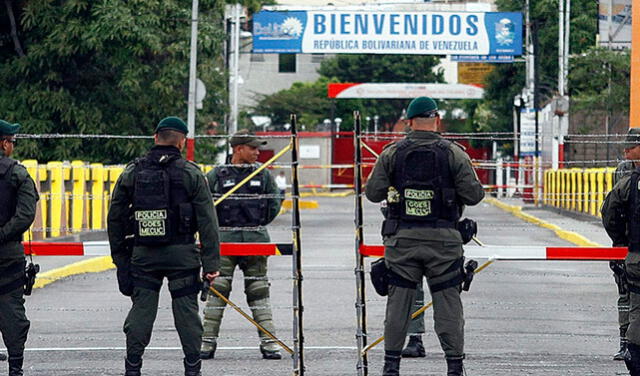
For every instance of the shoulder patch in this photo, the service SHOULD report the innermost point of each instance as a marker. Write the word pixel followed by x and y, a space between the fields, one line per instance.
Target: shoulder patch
pixel 459 145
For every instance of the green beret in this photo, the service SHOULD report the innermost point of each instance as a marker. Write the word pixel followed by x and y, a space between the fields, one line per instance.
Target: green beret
pixel 422 107
pixel 633 138
pixel 243 137
pixel 8 129
pixel 174 123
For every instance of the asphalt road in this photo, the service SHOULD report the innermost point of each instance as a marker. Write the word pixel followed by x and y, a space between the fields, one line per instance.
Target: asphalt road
pixel 522 318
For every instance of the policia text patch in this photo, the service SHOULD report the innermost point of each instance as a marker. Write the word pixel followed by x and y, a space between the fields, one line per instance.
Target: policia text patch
pixel 418 202
pixel 151 222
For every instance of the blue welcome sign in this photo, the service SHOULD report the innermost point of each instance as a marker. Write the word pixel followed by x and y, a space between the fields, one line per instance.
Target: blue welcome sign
pixel 385 32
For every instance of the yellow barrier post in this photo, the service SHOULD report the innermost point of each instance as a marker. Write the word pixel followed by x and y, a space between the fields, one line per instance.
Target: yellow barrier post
pixel 600 191
pixel 563 189
pixel 574 188
pixel 79 179
pixel 592 192
pixel 585 191
pixel 545 187
pixel 32 168
pixel 97 195
pixel 57 197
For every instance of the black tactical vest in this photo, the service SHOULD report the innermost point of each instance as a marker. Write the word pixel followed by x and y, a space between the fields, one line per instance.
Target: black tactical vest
pixel 245 207
pixel 422 177
pixel 7 194
pixel 633 213
pixel 162 212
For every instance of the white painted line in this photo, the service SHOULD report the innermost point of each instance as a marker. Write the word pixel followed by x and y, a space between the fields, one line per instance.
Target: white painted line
pixel 122 348
pixel 96 248
pixel 507 252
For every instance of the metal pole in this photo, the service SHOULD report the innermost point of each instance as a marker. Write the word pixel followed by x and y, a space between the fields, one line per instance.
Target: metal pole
pixel 235 76
pixel 634 107
pixel 193 61
pixel 361 308
pixel 298 336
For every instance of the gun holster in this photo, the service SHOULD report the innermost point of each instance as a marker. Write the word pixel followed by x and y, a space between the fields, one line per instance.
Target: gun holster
pixel 469 272
pixel 30 274
pixel 619 275
pixel 468 228
pixel 205 290
pixel 380 277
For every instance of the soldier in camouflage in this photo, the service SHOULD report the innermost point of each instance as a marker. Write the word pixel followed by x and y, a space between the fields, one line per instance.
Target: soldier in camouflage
pixel 243 217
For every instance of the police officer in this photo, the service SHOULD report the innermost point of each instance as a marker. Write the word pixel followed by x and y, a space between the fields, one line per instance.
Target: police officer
pixel 18 197
pixel 242 217
pixel 622 222
pixel 159 202
pixel 426 181
pixel 624 168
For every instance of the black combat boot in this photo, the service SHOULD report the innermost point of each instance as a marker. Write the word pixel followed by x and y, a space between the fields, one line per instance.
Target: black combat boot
pixel 391 363
pixel 454 367
pixel 192 368
pixel 620 355
pixel 132 367
pixel 270 352
pixel 15 365
pixel 208 350
pixel 632 359
pixel 415 348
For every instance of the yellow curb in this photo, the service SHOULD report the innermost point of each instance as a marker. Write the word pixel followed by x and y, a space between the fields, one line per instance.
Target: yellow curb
pixel 327 194
pixel 569 236
pixel 304 205
pixel 93 265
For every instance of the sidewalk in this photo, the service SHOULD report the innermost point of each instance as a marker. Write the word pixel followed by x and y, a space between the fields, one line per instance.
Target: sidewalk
pixel 585 225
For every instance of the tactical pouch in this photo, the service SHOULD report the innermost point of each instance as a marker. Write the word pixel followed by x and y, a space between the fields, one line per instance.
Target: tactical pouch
pixel 390 227
pixel 380 277
pixel 469 272
pixel 187 223
pixel 468 228
pixel 125 280
pixel 30 277
pixel 449 197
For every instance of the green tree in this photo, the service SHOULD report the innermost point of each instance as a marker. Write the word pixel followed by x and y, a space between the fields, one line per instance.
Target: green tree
pixel 104 67
pixel 508 79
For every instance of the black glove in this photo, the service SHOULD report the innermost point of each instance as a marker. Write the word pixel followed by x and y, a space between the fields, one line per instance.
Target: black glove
pixel 468 229
pixel 125 281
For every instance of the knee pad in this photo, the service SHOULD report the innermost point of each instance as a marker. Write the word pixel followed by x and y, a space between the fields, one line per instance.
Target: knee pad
pixel 257 289
pixel 223 285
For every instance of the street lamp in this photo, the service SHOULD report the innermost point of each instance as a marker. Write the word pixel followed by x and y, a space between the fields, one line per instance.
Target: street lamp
pixel 338 121
pixel 375 123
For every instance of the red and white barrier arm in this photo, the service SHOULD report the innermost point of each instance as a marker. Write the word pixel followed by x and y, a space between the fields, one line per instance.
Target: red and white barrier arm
pixel 500 252
pixel 101 248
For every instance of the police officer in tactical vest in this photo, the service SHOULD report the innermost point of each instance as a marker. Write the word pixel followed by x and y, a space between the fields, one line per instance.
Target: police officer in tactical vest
pixel 242 218
pixel 159 202
pixel 18 198
pixel 426 180
pixel 621 219
pixel 624 168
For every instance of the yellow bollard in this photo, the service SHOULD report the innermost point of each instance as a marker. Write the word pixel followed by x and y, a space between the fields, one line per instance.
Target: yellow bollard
pixel 57 210
pixel 600 191
pixel 552 188
pixel 114 173
pixel 98 174
pixel 32 168
pixel 579 189
pixel 79 182
pixel 593 191
pixel 563 189
pixel 545 187
pixel 574 188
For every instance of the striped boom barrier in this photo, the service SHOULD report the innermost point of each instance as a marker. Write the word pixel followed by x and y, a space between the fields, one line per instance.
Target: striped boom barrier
pixel 101 248
pixel 524 253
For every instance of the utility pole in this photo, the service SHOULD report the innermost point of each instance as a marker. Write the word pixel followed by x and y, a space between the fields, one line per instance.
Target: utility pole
pixel 562 103
pixel 234 77
pixel 193 62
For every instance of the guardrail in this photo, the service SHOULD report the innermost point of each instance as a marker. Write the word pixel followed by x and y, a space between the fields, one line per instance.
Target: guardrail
pixel 578 189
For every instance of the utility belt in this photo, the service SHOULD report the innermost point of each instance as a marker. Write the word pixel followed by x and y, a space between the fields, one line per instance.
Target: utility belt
pixel 392 226
pixel 457 275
